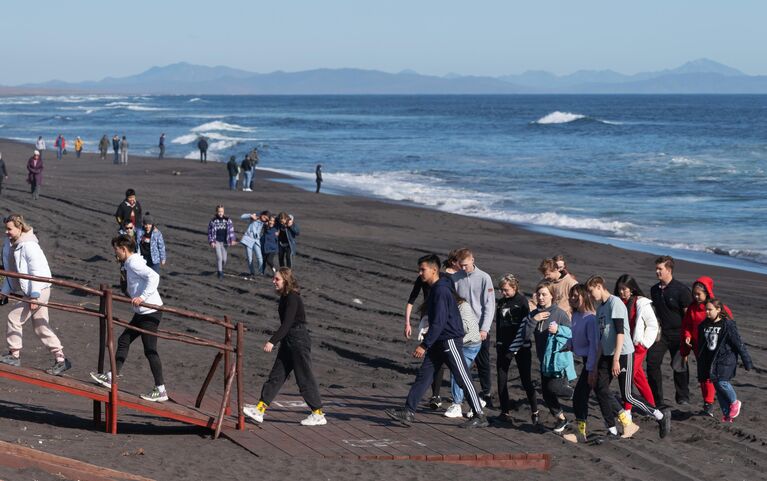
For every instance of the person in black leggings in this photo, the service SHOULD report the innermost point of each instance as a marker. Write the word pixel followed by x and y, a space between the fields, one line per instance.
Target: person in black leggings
pixel 510 313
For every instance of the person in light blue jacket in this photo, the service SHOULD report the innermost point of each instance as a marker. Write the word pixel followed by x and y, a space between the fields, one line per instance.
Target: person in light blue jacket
pixel 150 243
pixel 251 241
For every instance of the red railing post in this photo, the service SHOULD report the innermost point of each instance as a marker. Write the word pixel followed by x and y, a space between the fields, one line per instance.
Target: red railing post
pixel 240 394
pixel 102 342
pixel 227 358
pixel 113 397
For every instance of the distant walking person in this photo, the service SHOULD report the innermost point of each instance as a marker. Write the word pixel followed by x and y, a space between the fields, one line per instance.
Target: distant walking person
pixel 40 145
pixel 202 144
pixel 116 147
pixel 103 147
pixel 78 147
pixel 254 162
pixel 142 288
pixel 124 151
pixel 234 172
pixel 22 254
pixel 35 174
pixel 670 299
pixel 151 244
pixel 129 210
pixel 162 145
pixel 293 355
pixel 3 172
pixel 318 177
pixel 220 236
pixel 61 146
pixel 443 344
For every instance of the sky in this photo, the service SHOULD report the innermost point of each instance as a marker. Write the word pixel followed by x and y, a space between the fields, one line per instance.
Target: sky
pixel 89 40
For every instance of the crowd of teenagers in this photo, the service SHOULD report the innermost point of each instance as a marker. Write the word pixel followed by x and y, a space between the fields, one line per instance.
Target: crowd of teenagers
pixel 613 328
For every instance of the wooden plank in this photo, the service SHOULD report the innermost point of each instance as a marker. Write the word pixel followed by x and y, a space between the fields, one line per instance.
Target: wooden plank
pixel 17 456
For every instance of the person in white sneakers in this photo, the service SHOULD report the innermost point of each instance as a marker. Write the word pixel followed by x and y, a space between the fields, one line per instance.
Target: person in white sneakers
pixel 142 288
pixel 472 342
pixel 293 355
pixel 22 254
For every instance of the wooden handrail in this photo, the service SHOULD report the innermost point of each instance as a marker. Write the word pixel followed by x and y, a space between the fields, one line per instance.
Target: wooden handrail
pixel 180 312
pixel 173 336
pixel 50 280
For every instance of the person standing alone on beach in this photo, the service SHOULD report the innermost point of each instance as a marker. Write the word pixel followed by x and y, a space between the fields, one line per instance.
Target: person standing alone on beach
pixel 3 172
pixel 40 145
pixel 671 299
pixel 202 144
pixel 103 147
pixel 293 355
pixel 162 145
pixel 116 148
pixel 220 236
pixel 35 174
pixel 476 286
pixel 22 254
pixel 78 147
pixel 443 344
pixel 142 288
pixel 124 151
pixel 318 177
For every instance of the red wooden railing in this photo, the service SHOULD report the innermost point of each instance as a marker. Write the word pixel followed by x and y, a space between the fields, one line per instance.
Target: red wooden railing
pixel 107 322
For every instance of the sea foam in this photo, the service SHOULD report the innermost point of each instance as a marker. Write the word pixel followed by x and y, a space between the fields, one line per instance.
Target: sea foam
pixel 219 125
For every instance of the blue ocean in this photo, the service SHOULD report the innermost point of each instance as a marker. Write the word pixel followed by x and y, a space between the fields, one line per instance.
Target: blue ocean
pixel 679 174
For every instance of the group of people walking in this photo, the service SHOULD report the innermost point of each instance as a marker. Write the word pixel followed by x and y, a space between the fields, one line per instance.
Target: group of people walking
pixel 612 331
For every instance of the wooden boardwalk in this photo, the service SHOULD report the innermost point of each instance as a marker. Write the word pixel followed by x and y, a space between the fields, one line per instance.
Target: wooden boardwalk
pixel 359 429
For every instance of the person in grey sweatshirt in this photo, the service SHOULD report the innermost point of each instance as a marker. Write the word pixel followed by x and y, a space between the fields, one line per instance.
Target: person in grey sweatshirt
pixel 476 286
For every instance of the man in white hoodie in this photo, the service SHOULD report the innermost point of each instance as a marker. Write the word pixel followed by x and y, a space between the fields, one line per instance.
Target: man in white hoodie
pixel 142 288
pixel 22 254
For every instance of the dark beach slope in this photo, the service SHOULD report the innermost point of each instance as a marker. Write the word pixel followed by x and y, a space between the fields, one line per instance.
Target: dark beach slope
pixel 356 263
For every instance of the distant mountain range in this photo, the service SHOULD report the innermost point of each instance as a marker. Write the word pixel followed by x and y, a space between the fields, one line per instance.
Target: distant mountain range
pixel 701 76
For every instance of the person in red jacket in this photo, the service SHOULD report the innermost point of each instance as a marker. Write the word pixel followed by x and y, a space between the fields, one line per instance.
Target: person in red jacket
pixel 702 291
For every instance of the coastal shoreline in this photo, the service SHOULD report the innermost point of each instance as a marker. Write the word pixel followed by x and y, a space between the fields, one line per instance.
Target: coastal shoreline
pixel 356 264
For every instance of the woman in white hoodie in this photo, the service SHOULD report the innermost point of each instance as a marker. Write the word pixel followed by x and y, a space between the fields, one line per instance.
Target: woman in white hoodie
pixel 644 330
pixel 22 254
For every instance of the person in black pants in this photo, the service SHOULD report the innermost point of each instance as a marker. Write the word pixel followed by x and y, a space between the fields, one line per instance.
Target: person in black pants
pixel 288 230
pixel 511 310
pixel 293 355
pixel 443 344
pixel 318 177
pixel 670 299
pixel 142 283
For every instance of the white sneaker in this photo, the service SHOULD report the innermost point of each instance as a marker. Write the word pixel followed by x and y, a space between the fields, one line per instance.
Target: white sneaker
pixel 103 379
pixel 314 420
pixel 482 403
pixel 454 411
pixel 155 396
pixel 253 413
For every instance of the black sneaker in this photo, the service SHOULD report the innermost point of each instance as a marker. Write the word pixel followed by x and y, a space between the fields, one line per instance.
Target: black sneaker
pixel 708 410
pixel 504 418
pixel 488 398
pixel 59 367
pixel 561 425
pixel 402 416
pixel 435 403
pixel 664 425
pixel 683 402
pixel 476 422
pixel 11 360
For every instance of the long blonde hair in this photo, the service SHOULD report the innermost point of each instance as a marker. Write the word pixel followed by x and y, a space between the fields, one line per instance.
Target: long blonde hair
pixel 18 221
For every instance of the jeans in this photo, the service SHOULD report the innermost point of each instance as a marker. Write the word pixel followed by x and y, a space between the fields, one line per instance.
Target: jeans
pixel 162 151
pixel 294 355
pixel 232 182
pixel 78 152
pixel 117 157
pixel 249 251
pixel 469 353
pixel 59 152
pixel 725 394
pixel 220 256
pixel 246 175
pixel 203 156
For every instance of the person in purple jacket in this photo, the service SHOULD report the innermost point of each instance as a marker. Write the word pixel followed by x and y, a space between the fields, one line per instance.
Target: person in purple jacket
pixel 443 344
pixel 220 236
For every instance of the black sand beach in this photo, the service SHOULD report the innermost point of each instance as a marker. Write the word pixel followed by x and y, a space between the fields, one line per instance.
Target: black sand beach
pixel 356 263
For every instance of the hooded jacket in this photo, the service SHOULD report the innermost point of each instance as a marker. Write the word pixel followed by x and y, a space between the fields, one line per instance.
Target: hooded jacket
pixel 28 258
pixel 695 315
pixel 444 317
pixel 646 328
